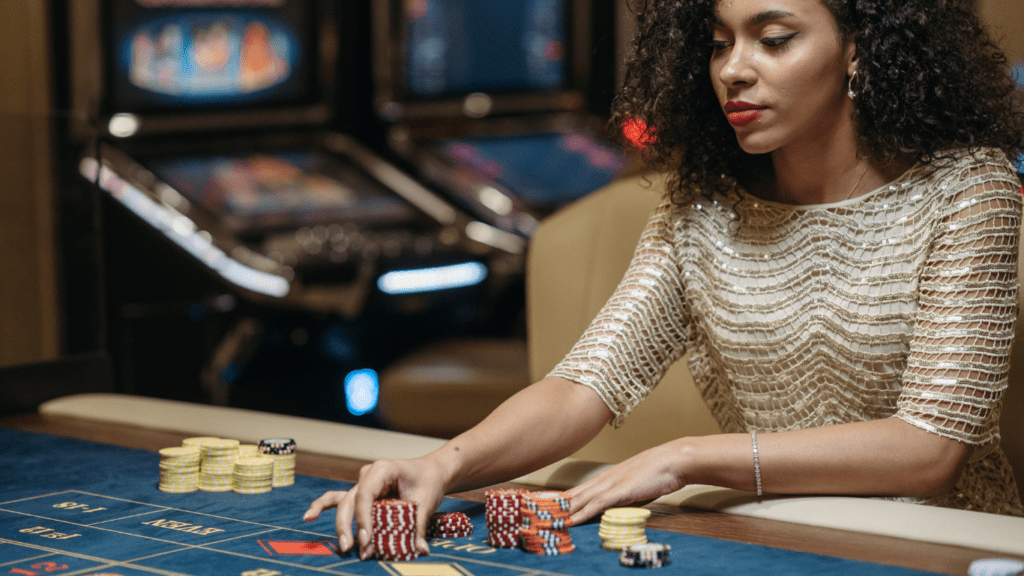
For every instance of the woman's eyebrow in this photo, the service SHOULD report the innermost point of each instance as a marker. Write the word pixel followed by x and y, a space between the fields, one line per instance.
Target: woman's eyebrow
pixel 760 17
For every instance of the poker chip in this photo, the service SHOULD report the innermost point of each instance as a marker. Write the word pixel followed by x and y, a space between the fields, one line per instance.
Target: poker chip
pixel 282 451
pixel 277 446
pixel 996 567
pixel 544 526
pixel 449 525
pixel 623 527
pixel 253 475
pixel 394 530
pixel 503 515
pixel 647 555
pixel 179 469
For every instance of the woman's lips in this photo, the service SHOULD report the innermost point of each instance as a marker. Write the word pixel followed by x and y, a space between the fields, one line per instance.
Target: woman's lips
pixel 745 116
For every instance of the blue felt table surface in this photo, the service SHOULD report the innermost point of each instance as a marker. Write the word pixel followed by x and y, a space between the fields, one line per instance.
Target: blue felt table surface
pixel 90 506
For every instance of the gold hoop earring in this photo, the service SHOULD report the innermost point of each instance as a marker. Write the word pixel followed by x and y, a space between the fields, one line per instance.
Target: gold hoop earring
pixel 850 93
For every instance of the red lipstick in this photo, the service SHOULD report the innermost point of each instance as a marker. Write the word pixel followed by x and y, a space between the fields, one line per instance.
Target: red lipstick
pixel 743 113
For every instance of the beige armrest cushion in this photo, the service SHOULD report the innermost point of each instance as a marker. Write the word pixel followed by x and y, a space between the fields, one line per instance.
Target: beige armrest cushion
pixel 999 534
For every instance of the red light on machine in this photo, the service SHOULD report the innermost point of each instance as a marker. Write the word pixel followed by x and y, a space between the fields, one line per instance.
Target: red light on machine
pixel 639 133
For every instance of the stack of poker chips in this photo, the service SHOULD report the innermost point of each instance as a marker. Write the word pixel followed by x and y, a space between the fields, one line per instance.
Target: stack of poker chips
pixel 179 469
pixel 216 473
pixel 282 451
pixel 545 524
pixel 647 555
pixel 394 530
pixel 253 475
pixel 449 525
pixel 248 451
pixel 504 516
pixel 622 527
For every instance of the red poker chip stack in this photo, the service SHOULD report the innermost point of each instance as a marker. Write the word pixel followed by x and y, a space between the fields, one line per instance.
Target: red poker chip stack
pixel 545 523
pixel 449 525
pixel 504 516
pixel 394 530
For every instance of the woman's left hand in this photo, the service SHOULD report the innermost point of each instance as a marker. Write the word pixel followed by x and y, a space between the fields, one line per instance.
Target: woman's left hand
pixel 642 478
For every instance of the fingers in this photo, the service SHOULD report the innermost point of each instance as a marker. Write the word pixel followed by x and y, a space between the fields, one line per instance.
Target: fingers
pixel 412 483
pixel 423 513
pixel 374 482
pixel 343 520
pixel 586 503
pixel 328 500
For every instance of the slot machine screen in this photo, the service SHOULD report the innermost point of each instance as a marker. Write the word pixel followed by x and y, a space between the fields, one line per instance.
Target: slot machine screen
pixel 260 191
pixel 183 54
pixel 457 47
pixel 546 170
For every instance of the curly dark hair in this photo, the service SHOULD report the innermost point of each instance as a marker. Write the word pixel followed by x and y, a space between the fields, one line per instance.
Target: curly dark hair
pixel 929 81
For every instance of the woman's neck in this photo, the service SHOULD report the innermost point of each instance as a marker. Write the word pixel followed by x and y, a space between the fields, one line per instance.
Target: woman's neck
pixel 825 172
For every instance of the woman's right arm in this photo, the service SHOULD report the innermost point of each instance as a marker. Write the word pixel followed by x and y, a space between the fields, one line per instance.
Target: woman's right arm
pixel 539 425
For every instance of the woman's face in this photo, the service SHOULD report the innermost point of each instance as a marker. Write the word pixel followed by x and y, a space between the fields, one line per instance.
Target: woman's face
pixel 779 68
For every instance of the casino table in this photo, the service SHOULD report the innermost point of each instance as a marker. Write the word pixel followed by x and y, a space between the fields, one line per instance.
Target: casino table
pixel 80 497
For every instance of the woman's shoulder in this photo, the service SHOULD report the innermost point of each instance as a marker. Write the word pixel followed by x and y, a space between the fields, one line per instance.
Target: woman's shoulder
pixel 962 166
pixel 971 179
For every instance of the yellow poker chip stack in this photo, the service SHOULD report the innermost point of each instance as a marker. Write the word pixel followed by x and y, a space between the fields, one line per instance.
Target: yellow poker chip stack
pixel 248 451
pixel 197 441
pixel 219 452
pixel 623 527
pixel 253 475
pixel 179 469
pixel 216 473
pixel 284 470
pixel 217 478
pixel 282 451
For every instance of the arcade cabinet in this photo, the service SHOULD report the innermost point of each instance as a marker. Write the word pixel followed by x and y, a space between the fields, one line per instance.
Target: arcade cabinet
pixel 250 257
pixel 500 105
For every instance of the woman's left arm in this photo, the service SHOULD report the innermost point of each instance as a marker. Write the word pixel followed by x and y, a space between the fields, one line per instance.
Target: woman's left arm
pixel 956 372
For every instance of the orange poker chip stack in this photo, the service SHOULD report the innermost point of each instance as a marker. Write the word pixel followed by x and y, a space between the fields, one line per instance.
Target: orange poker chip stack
pixel 504 515
pixel 545 524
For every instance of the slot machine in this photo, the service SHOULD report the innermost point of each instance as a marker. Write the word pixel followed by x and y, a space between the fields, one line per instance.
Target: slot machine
pixel 500 105
pixel 254 254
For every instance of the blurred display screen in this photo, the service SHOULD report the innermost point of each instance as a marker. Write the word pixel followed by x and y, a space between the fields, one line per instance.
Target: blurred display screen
pixel 186 53
pixel 464 46
pixel 543 169
pixel 268 190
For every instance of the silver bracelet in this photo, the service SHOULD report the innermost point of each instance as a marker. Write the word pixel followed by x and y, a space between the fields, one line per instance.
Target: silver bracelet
pixel 757 462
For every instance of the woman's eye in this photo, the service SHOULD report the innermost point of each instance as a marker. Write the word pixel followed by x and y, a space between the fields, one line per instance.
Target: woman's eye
pixel 775 41
pixel 717 45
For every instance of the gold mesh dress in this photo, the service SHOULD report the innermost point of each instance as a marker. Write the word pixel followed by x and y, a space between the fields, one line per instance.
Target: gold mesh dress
pixel 898 303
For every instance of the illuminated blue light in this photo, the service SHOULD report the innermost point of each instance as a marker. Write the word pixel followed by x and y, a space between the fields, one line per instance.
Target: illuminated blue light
pixel 361 391
pixel 430 279
pixel 1020 163
pixel 1018 75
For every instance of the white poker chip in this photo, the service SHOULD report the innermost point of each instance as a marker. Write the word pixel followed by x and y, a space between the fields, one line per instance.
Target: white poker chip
pixel 996 567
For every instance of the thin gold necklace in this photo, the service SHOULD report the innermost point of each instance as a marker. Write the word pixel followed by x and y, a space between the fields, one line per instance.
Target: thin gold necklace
pixel 850 195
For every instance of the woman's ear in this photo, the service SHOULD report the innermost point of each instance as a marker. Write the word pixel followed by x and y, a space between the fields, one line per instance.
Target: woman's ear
pixel 851 54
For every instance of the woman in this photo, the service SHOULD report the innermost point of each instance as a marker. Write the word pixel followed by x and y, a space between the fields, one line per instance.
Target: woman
pixel 837 252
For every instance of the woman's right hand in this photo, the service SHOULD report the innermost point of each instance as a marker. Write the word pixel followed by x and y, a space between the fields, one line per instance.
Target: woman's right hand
pixel 421 480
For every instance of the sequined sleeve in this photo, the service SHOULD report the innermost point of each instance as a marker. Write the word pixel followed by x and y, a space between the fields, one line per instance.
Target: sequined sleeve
pixel 960 351
pixel 640 331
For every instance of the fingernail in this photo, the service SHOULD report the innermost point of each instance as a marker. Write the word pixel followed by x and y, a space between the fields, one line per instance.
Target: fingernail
pixel 343 543
pixel 364 544
pixel 367 552
pixel 308 515
pixel 421 545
